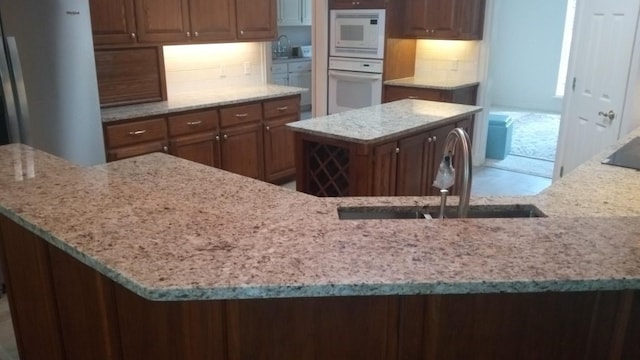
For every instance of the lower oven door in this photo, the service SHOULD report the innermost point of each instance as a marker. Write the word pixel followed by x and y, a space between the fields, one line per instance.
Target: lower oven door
pixel 353 90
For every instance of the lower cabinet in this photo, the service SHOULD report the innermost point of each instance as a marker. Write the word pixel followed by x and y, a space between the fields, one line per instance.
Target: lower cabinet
pixel 247 139
pixel 462 95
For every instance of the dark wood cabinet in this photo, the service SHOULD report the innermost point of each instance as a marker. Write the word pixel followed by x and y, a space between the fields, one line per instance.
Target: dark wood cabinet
pixel 356 4
pixel 256 19
pixel 462 95
pixel 444 19
pixel 411 172
pixel 241 150
pixel 193 136
pixel 212 20
pixel 385 159
pixel 279 159
pixel 162 21
pixel 135 138
pixel 112 22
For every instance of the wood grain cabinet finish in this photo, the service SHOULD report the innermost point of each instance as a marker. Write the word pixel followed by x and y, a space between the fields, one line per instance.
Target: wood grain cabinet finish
pixel 463 95
pixel 80 314
pixel 256 19
pixel 113 22
pixel 135 138
pixel 279 159
pixel 444 19
pixel 162 21
pixel 193 137
pixel 357 4
pixel 241 150
pixel 212 20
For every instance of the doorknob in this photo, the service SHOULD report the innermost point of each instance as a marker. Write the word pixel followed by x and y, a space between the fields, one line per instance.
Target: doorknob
pixel 611 115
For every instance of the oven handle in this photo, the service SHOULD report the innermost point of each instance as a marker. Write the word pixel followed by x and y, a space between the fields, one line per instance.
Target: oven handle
pixel 354 76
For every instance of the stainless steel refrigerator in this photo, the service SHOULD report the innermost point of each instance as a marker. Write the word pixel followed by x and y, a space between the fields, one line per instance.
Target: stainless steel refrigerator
pixel 49 96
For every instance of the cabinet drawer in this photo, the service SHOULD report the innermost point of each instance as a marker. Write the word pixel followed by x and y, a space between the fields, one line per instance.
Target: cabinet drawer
pixel 240 115
pixel 136 150
pixel 278 68
pixel 194 122
pixel 302 66
pixel 136 132
pixel 281 107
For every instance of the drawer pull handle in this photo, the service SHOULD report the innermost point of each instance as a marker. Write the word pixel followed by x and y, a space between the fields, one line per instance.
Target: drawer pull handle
pixel 242 116
pixel 412 97
pixel 137 133
pixel 283 108
pixel 194 123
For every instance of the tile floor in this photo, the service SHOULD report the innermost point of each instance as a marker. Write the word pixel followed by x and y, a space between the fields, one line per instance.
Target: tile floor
pixel 486 181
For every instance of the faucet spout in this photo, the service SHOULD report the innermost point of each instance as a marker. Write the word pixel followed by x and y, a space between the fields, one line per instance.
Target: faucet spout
pixel 460 137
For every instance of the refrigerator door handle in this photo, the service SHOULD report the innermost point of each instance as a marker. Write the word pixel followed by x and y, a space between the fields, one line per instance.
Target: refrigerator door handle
pixel 22 107
pixel 13 123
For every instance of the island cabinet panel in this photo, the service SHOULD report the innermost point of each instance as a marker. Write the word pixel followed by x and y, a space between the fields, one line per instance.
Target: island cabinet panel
pixel 413 165
pixel 464 95
pixel 256 19
pixel 162 20
pixel 170 329
pixel 385 160
pixel 313 328
pixel 112 22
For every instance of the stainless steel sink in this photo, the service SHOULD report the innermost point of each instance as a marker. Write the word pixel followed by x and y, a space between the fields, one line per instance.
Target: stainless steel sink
pixel 451 212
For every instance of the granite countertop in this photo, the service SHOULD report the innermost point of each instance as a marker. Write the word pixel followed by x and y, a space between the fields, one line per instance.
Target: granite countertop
pixel 381 122
pixel 199 100
pixel 419 82
pixel 171 229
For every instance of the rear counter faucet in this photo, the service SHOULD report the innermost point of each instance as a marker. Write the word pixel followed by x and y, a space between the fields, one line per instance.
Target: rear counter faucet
pixel 454 137
pixel 281 50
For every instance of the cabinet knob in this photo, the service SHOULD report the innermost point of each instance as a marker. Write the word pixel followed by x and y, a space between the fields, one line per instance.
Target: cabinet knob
pixel 165 148
pixel 241 32
pixel 196 34
pixel 225 136
pixel 397 150
pixel 217 137
pixel 429 139
pixel 267 128
pixel 133 36
pixel 435 138
pixel 188 34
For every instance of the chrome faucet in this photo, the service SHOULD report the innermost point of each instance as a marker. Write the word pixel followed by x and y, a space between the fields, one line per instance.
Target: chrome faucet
pixel 455 136
pixel 280 49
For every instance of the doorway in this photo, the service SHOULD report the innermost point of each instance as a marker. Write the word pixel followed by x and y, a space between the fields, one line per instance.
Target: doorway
pixel 527 72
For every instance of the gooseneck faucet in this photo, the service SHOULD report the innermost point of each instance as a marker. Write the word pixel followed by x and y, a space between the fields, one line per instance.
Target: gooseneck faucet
pixel 460 137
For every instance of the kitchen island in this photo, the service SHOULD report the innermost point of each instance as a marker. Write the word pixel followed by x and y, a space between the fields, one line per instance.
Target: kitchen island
pixel 156 257
pixel 392 149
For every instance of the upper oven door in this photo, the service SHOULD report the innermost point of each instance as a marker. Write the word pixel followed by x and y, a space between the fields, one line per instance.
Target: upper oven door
pixel 357 33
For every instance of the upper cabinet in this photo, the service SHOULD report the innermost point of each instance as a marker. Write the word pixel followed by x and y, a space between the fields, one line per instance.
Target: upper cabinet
pixel 117 22
pixel 357 4
pixel 294 12
pixel 256 19
pixel 444 19
pixel 113 22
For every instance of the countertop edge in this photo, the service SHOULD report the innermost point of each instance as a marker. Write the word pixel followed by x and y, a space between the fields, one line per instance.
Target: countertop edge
pixel 410 82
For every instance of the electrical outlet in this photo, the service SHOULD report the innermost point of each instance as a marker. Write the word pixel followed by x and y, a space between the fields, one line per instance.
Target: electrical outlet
pixel 247 68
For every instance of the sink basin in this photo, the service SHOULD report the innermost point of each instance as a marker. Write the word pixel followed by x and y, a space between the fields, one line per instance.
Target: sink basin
pixel 451 212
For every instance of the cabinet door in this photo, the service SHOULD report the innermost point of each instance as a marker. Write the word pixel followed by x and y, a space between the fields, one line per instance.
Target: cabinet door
pixel 356 4
pixel 412 165
pixel 279 159
pixel 307 12
pixel 384 169
pixel 112 22
pixel 289 12
pixel 201 148
pixel 212 20
pixel 162 20
pixel 434 157
pixel 241 150
pixel 280 79
pixel 431 19
pixel 470 18
pixel 303 80
pixel 256 19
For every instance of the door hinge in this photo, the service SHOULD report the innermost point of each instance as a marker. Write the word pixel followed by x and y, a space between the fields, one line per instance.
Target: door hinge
pixel 561 171
pixel 573 86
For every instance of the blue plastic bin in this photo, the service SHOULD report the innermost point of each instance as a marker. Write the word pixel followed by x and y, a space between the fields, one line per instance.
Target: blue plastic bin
pixel 499 138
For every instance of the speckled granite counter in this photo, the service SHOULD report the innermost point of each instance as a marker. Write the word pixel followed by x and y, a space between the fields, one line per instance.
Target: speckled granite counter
pixel 430 83
pixel 199 100
pixel 383 121
pixel 144 223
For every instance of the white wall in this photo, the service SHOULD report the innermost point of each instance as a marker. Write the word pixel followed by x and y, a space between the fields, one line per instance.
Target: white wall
pixel 525 53
pixel 209 66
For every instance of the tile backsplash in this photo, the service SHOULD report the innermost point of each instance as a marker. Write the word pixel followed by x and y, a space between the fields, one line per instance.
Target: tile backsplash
pixel 209 66
pixel 443 60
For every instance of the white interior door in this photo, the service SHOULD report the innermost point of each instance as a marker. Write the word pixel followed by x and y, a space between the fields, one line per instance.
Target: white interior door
pixel 604 39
